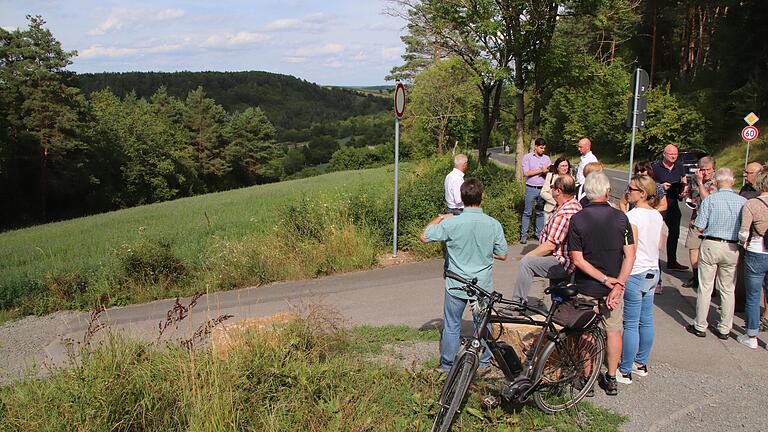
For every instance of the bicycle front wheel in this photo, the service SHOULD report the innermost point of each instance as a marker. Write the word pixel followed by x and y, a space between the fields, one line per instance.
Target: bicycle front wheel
pixel 567 369
pixel 454 391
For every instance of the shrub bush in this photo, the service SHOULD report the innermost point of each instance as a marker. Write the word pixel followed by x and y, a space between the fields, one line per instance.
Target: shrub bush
pixel 422 197
pixel 150 262
pixel 351 158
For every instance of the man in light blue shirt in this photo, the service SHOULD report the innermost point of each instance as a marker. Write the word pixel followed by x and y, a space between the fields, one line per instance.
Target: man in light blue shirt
pixel 473 240
pixel 718 221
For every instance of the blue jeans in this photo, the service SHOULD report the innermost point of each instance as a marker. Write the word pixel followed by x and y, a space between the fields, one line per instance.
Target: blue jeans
pixel 755 280
pixel 453 308
pixel 531 193
pixel 638 319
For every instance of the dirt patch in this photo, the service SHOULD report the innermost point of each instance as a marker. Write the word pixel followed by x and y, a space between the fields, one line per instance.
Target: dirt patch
pixel 403 257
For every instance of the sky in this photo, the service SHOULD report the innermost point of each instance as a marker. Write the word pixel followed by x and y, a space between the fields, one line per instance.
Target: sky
pixel 334 42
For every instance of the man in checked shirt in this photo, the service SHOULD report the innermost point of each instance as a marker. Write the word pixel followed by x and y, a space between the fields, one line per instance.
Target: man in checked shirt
pixel 718 222
pixel 550 259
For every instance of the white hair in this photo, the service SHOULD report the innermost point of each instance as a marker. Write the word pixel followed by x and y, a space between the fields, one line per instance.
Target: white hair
pixel 597 185
pixel 724 175
pixel 459 159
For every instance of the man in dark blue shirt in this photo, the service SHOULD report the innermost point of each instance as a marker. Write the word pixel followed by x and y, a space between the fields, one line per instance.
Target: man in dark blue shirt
pixel 670 173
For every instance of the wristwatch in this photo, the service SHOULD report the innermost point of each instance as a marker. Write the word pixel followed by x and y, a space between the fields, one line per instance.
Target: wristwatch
pixel 605 279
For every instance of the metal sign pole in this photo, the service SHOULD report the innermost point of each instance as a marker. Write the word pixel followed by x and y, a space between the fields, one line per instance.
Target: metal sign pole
pixel 746 158
pixel 397 159
pixel 634 123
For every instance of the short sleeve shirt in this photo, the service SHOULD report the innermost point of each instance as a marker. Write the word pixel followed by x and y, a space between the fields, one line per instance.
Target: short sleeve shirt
pixel 662 174
pixel 720 214
pixel 533 161
pixel 600 232
pixel 471 239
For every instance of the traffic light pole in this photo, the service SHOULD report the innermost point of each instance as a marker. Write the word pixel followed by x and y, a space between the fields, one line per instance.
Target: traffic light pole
pixel 635 97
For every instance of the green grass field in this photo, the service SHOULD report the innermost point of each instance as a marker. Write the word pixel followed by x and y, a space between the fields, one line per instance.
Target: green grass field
pixel 191 225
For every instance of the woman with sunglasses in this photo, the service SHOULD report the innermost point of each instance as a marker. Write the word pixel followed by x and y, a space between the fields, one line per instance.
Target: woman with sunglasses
pixel 644 168
pixel 646 224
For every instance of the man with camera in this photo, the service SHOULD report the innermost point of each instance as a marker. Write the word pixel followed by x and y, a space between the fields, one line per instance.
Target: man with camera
pixel 700 185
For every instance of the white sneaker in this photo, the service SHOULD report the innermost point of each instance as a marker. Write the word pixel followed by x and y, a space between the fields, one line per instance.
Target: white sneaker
pixel 749 342
pixel 624 378
pixel 640 370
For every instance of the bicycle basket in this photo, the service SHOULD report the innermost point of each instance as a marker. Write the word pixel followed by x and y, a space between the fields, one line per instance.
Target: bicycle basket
pixel 576 314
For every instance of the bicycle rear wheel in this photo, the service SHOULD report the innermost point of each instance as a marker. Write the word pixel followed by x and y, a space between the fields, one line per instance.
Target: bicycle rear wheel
pixel 562 367
pixel 454 391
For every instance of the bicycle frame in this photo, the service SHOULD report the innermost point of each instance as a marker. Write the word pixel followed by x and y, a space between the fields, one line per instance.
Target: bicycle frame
pixel 521 384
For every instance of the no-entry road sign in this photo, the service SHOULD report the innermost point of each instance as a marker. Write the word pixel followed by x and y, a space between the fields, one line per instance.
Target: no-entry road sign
pixel 749 133
pixel 399 100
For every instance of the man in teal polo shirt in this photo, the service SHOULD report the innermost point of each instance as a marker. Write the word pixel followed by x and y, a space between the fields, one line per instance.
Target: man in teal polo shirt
pixel 473 240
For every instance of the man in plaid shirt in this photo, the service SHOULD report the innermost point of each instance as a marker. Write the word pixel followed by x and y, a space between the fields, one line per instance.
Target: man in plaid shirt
pixel 550 259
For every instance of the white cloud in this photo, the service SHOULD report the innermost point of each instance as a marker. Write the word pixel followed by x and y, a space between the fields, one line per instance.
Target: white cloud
pixel 335 64
pixel 391 53
pixel 123 18
pixel 99 51
pixel 318 50
pixel 312 22
pixel 230 40
pixel 9 28
pixel 360 56
pixel 294 59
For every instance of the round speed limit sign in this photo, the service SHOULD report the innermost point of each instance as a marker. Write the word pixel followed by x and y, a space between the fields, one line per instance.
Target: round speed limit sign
pixel 749 133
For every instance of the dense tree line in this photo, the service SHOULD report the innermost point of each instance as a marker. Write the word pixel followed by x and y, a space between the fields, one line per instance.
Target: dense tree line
pixel 291 104
pixel 561 69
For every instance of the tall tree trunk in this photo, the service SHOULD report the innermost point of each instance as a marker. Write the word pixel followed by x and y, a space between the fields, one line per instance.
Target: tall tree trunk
pixel 485 129
pixel 44 180
pixel 653 41
pixel 519 117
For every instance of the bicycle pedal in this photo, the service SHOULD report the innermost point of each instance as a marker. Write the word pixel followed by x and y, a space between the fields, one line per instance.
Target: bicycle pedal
pixel 489 402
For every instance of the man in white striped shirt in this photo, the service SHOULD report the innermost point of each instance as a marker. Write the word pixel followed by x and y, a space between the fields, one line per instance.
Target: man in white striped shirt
pixel 452 184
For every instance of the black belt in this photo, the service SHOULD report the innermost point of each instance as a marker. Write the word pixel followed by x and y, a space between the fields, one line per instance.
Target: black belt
pixel 717 239
pixel 535 187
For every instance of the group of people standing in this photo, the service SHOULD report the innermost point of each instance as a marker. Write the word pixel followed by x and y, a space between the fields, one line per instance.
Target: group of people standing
pixel 612 254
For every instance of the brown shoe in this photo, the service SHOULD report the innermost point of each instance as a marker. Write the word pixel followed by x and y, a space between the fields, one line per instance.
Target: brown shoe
pixel 676 266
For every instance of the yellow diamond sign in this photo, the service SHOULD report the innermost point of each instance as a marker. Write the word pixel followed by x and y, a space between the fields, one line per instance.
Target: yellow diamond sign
pixel 751 118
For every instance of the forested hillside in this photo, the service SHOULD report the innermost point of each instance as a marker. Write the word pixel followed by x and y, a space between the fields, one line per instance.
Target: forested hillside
pixel 74 145
pixel 290 103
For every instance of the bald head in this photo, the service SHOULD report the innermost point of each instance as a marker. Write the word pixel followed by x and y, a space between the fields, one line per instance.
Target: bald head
pixel 460 161
pixel 750 172
pixel 585 145
pixel 670 154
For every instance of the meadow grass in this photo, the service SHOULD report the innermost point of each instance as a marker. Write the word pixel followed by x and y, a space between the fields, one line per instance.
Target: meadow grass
pixel 296 229
pixel 306 375
pixel 33 259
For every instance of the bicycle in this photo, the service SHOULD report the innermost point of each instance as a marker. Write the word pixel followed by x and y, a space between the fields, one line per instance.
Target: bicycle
pixel 559 370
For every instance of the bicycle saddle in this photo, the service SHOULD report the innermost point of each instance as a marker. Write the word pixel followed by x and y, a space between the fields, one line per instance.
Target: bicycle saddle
pixel 563 290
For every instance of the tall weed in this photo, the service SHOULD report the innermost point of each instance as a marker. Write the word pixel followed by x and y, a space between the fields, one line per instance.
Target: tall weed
pixel 314 237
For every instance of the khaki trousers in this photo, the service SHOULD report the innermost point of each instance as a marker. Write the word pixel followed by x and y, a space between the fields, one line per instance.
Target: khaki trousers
pixel 717 265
